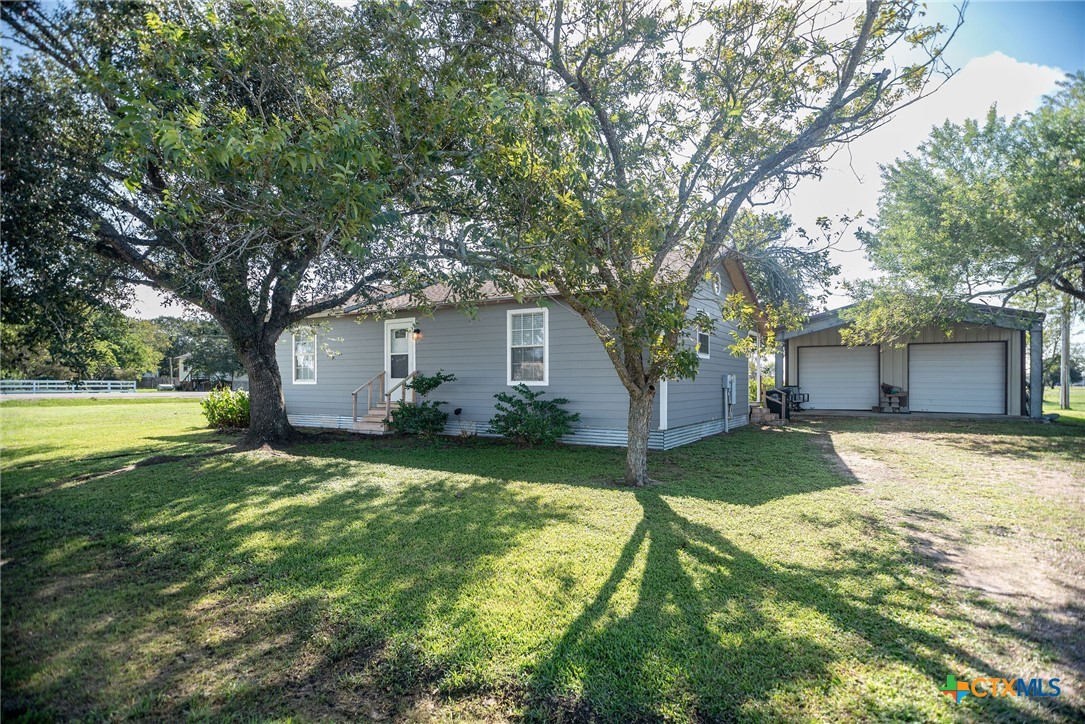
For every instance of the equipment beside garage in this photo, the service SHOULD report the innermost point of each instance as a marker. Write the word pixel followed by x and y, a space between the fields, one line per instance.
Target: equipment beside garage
pixel 893 399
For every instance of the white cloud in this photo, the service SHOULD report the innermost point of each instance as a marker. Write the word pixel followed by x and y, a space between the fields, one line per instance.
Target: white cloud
pixel 852 182
pixel 148 304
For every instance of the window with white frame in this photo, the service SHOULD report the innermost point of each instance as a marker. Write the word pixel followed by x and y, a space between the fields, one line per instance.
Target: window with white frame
pixel 703 343
pixel 528 355
pixel 304 357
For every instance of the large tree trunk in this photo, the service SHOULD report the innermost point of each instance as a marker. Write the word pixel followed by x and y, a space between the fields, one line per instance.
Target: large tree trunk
pixel 267 409
pixel 636 455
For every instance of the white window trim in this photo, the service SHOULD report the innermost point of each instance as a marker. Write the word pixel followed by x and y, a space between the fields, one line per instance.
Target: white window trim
pixel 546 347
pixel 294 360
pixel 707 353
pixel 664 404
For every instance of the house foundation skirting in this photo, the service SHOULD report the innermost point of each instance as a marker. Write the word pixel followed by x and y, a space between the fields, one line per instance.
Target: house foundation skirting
pixel 596 436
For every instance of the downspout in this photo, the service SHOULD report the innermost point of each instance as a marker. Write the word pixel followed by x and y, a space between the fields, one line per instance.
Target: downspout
pixel 759 400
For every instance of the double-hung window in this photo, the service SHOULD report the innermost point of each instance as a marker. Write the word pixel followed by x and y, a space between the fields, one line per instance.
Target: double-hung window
pixel 304 357
pixel 528 346
pixel 703 343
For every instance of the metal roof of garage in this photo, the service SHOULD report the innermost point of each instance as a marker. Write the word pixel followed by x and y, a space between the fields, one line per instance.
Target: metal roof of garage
pixel 972 312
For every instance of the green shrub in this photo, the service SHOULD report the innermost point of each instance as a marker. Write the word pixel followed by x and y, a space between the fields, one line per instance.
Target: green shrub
pixel 225 408
pixel 530 419
pixel 425 417
pixel 425 384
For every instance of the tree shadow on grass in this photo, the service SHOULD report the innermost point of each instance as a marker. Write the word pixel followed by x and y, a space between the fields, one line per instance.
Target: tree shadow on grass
pixel 1011 439
pixel 747 467
pixel 315 583
pixel 715 634
pixel 37 471
pixel 246 584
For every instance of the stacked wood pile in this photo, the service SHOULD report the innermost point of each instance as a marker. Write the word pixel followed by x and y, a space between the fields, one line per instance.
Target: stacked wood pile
pixel 761 416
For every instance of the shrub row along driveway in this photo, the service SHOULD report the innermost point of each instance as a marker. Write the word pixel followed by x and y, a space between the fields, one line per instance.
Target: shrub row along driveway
pixel 834 569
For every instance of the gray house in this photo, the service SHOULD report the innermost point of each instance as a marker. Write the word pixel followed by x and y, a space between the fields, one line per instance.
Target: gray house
pixel 972 365
pixel 341 370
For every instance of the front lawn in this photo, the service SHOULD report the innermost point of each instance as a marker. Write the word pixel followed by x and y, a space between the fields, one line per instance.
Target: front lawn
pixel 1076 413
pixel 835 569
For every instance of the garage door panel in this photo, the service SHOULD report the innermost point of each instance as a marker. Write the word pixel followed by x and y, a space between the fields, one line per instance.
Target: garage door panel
pixel 839 378
pixel 957 377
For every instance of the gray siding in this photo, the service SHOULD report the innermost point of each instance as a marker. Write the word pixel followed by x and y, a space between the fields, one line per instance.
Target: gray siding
pixel 358 354
pixel 701 399
pixel 474 349
pixel 351 350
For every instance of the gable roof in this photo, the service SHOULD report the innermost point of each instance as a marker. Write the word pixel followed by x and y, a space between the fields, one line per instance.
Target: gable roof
pixel 736 270
pixel 975 314
pixel 437 295
pixel 442 295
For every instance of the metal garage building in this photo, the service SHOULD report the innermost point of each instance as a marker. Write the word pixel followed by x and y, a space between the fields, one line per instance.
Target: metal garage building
pixel 976 365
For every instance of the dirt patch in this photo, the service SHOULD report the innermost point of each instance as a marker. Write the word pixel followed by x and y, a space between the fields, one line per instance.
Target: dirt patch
pixel 861 469
pixel 268 450
pixel 992 570
pixel 996 571
pixel 1012 579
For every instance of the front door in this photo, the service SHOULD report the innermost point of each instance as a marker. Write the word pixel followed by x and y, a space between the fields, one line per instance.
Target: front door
pixel 398 353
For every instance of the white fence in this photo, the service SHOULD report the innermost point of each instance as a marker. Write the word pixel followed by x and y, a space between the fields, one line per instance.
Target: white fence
pixel 22 387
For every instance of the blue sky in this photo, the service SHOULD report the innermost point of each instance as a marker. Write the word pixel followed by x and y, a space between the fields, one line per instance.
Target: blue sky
pixel 1008 54
pixel 1033 31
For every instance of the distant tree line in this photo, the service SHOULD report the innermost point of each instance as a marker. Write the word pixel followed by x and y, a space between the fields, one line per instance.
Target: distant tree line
pixel 109 345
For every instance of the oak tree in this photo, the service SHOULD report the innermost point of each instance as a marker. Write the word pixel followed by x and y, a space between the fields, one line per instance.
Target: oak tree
pixel 984 210
pixel 617 172
pixel 249 158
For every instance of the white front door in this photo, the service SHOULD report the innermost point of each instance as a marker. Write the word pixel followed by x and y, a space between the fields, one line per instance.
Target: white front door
pixel 398 352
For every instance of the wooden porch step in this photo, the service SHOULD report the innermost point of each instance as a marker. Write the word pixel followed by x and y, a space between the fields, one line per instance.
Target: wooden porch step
pixel 373 422
pixel 382 407
pixel 370 427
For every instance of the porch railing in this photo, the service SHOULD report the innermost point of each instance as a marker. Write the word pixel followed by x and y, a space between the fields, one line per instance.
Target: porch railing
pixel 378 380
pixel 402 387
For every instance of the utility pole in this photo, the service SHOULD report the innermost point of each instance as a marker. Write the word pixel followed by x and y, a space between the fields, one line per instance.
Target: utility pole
pixel 1064 366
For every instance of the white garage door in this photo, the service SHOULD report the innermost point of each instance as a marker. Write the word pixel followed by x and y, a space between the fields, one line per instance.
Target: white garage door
pixel 839 378
pixel 957 377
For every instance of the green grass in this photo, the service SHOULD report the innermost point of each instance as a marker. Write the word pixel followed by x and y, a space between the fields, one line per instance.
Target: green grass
pixel 1076 414
pixel 772 575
